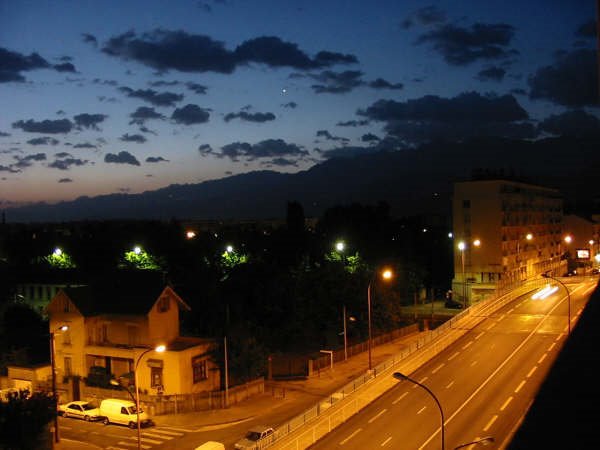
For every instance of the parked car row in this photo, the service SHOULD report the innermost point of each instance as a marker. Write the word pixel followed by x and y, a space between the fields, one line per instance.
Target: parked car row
pixel 111 410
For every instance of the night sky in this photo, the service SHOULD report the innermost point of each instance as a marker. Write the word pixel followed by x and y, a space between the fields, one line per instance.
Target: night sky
pixel 100 97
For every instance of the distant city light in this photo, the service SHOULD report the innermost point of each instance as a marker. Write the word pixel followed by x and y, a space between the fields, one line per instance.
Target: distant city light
pixel 190 234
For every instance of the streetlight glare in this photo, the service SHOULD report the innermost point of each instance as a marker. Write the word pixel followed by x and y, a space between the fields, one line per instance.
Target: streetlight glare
pixel 229 249
pixel 461 245
pixel 476 242
pixel 387 274
pixel 137 250
pixel 64 328
pixel 339 246
pixel 160 348
pixel 57 251
pixel 529 236
pixel 568 239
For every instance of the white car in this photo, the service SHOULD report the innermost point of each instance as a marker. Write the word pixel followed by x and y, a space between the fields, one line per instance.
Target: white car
pixel 255 438
pixel 80 409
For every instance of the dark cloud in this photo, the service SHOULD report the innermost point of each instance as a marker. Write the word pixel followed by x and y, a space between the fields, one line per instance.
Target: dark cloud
pixel 45 126
pixel 122 157
pixel 43 141
pixel 67 163
pixel 12 63
pixel 491 73
pixel 270 148
pixel 2 134
pixel 63 155
pixel 292 105
pixel 89 39
pixel 337 82
pixel 461 46
pixel 576 123
pixel 178 50
pixel 85 145
pixel 328 136
pixel 345 152
pixel 587 30
pixel 250 117
pixel 190 114
pixel 197 88
pixel 369 137
pixel 468 114
pixel 27 161
pixel 153 97
pixel 143 113
pixel 428 15
pixel 555 83
pixel 147 130
pixel 162 83
pixel 280 162
pixel 353 123
pixel 380 83
pixel 9 169
pixel 65 180
pixel 205 150
pixel 133 138
pixel 90 121
pixel 156 159
pixel 64 67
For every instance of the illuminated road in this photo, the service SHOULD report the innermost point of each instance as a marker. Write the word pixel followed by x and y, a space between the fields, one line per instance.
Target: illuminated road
pixel 485 381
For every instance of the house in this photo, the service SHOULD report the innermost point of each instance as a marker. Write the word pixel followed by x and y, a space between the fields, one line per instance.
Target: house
pixel 114 327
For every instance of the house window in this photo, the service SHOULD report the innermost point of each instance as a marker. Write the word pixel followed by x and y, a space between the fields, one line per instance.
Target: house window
pixel 68 366
pixel 156 377
pixel 163 304
pixel 66 335
pixel 199 369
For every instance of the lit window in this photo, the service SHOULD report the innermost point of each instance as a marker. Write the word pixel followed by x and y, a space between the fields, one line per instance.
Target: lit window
pixel 199 369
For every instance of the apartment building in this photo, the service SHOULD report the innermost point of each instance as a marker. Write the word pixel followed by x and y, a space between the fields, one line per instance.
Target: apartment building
pixel 504 231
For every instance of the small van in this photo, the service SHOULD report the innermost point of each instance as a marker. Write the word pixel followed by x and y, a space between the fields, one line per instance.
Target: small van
pixel 114 410
pixel 211 445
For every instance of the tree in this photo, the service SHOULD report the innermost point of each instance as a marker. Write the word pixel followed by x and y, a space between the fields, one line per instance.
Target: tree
pixel 24 421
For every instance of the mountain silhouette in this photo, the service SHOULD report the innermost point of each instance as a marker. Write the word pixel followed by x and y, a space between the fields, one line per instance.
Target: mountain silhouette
pixel 411 181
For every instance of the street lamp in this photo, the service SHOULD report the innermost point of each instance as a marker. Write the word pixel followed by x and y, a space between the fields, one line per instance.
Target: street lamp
pixel 462 246
pixel 159 349
pixel 340 246
pixel 528 237
pixel 62 328
pixel 386 274
pixel 345 332
pixel 401 377
pixel 546 275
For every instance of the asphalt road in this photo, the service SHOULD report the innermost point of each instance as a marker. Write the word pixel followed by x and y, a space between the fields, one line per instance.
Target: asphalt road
pixel 485 382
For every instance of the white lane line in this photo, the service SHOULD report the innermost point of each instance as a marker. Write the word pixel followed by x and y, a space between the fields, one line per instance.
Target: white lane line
pixel 421 410
pixel 551 347
pixel 479 335
pixel 162 436
pixel 467 345
pixel 490 327
pixel 531 371
pixel 438 368
pixel 521 384
pixel 508 400
pixel 171 433
pixel 490 423
pixel 453 356
pixel 134 444
pixel 152 441
pixel 374 418
pixel 423 380
pixel 542 358
pixel 386 441
pixel 399 398
pixel 473 363
pixel 351 436
pixel 449 385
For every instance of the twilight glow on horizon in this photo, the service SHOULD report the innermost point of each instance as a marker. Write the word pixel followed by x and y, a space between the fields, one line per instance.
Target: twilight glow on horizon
pixel 102 97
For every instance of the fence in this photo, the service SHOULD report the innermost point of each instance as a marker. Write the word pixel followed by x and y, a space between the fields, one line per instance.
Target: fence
pixel 306 428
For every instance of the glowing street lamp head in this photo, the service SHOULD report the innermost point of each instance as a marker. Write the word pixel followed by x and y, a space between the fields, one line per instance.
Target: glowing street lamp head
pixel 461 246
pixel 57 251
pixel 568 239
pixel 64 328
pixel 229 249
pixel 529 236
pixel 339 246
pixel 476 242
pixel 190 234
pixel 160 348
pixel 137 250
pixel 387 274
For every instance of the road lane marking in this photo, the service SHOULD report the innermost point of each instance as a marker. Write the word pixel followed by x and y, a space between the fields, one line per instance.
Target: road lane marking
pixel 351 436
pixel 508 400
pixel 479 335
pixel 490 327
pixel 134 444
pixel 438 368
pixel 473 363
pixel 421 410
pixel 152 441
pixel 531 371
pixel 374 418
pixel 490 423
pixel 453 356
pixel 423 380
pixel 386 441
pixel 172 433
pixel 551 346
pixel 449 384
pixel 467 345
pixel 399 398
pixel 542 358
pixel 162 436
pixel 521 384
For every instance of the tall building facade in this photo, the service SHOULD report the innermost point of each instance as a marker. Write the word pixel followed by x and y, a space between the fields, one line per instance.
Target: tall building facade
pixel 504 231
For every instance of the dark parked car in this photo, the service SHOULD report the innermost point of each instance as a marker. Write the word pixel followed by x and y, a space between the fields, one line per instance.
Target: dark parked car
pixel 453 304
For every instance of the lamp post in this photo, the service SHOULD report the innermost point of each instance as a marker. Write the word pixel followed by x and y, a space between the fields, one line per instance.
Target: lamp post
pixel 546 275
pixel 53 368
pixel 462 246
pixel 528 237
pixel 159 349
pixel 386 275
pixel 401 377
